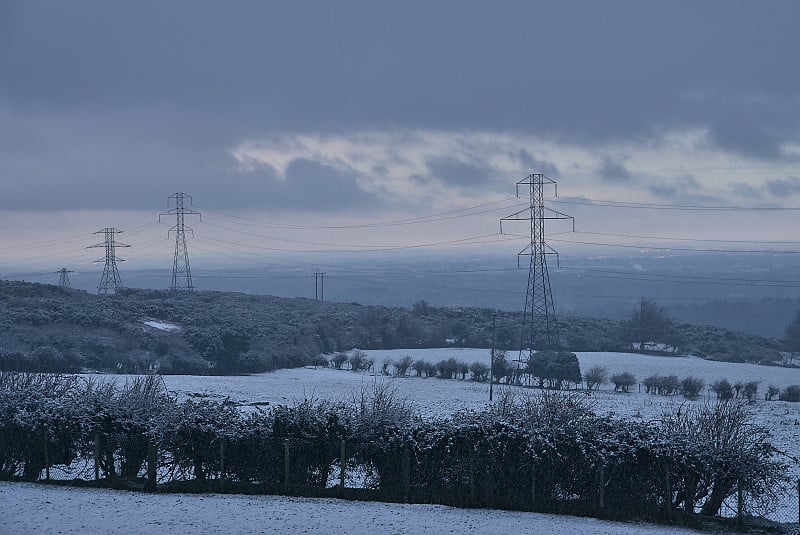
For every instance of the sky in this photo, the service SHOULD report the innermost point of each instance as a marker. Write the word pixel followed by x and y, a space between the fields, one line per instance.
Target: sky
pixel 307 126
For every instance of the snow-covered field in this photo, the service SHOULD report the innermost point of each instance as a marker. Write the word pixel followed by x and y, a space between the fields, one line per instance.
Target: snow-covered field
pixel 35 509
pixel 39 509
pixel 437 397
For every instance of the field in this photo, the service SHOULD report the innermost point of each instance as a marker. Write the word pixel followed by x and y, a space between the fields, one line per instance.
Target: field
pixel 432 397
pixel 33 509
pixel 436 397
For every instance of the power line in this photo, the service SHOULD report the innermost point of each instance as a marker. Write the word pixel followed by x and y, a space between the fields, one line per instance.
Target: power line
pixel 663 206
pixel 441 216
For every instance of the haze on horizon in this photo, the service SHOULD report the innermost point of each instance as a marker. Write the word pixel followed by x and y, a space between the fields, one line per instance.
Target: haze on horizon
pixel 301 129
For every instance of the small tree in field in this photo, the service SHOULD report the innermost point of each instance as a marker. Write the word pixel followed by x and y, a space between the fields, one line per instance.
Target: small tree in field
pixel 648 323
pixel 722 389
pixel 402 366
pixel 791 393
pixel 480 371
pixel 338 360
pixel 595 376
pixel 623 381
pixel 692 387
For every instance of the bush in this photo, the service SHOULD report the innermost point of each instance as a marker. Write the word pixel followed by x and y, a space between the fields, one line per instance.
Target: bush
pixel 692 387
pixel 596 376
pixel 402 366
pixel 723 389
pixel 791 393
pixel 623 381
pixel 359 360
pixel 480 371
pixel 447 369
pixel 338 360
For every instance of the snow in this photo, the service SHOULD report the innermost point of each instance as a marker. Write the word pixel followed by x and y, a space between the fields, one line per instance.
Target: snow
pixel 142 513
pixel 31 509
pixel 437 397
pixel 161 326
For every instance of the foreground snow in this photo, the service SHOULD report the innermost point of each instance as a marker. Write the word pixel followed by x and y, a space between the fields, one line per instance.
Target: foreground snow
pixel 29 508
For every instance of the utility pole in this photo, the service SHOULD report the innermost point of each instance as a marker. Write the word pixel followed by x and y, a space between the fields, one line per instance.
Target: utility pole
pixel 181 272
pixel 63 280
pixel 539 329
pixel 491 357
pixel 110 279
pixel 319 286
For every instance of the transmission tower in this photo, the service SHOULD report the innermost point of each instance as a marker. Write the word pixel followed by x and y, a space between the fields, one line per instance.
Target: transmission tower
pixel 181 272
pixel 539 329
pixel 63 279
pixel 110 279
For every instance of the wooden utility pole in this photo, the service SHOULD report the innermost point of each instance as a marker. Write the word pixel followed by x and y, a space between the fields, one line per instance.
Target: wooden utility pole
pixel 491 358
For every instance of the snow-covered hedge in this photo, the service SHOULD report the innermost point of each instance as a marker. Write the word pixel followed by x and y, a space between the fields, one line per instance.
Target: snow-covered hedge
pixel 545 451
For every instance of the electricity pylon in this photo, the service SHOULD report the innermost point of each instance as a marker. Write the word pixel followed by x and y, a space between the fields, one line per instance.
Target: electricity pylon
pixel 181 272
pixel 63 279
pixel 539 329
pixel 110 279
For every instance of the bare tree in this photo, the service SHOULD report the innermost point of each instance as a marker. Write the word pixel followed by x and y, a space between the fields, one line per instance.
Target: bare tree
pixel 595 376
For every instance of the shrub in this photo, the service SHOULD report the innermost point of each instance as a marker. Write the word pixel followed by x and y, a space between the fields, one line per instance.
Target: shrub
pixel 402 366
pixel 791 393
pixel 480 371
pixel 692 387
pixel 359 360
pixel 338 360
pixel 722 389
pixel 623 381
pixel 596 376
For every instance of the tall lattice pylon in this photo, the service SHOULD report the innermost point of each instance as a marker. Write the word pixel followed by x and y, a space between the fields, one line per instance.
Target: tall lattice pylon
pixel 539 329
pixel 63 279
pixel 181 272
pixel 110 281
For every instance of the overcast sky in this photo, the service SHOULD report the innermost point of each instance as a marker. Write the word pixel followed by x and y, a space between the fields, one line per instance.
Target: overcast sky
pixel 319 112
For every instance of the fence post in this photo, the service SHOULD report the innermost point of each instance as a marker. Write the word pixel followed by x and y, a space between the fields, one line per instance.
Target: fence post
pixel 406 473
pixel 286 463
pixel 97 455
pixel 667 492
pixel 152 464
pixel 342 457
pixel 46 454
pixel 601 488
pixel 221 461
pixel 691 489
pixel 739 503
pixel 472 479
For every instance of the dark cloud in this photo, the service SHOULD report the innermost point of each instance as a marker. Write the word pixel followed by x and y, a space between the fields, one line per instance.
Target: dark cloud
pixel 531 164
pixel 682 189
pixel 458 173
pixel 613 171
pixel 313 186
pixel 113 103
pixel 786 187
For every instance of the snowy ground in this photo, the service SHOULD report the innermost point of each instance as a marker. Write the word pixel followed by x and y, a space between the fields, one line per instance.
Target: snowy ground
pixel 45 509
pixel 437 397
pixel 34 509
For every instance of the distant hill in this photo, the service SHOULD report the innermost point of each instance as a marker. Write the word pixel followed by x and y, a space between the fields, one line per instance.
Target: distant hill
pixel 45 328
pixel 765 317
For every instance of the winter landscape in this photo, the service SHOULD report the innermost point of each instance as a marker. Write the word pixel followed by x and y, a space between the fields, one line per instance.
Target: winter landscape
pixel 399 267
